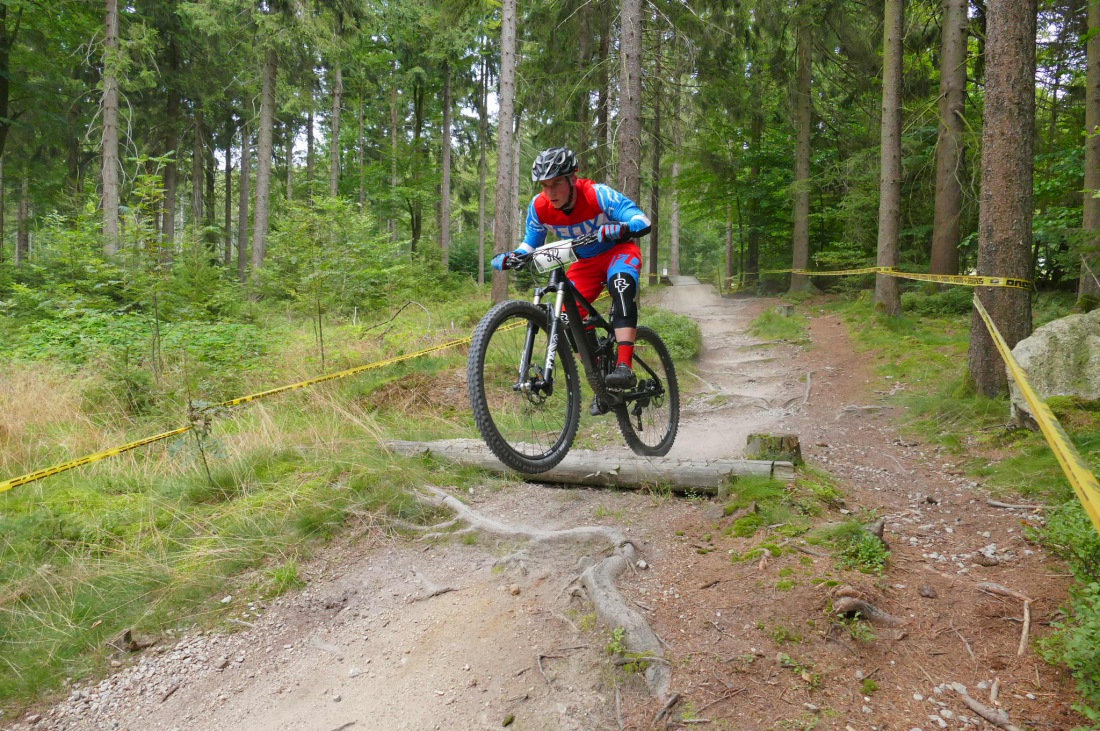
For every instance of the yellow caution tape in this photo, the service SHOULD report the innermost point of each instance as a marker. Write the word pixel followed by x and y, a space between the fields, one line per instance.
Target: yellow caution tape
pixel 47 472
pixel 1077 472
pixel 968 280
pixel 835 273
pixel 964 280
pixel 88 459
pixel 343 374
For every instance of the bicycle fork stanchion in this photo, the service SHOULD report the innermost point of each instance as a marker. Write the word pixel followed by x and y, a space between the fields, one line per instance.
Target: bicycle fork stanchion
pixel 552 337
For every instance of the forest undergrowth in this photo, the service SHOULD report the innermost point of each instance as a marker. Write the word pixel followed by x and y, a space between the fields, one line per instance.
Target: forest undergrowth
pixel 924 353
pixel 153 540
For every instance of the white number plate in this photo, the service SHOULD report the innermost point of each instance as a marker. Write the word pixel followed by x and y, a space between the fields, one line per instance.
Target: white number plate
pixel 553 257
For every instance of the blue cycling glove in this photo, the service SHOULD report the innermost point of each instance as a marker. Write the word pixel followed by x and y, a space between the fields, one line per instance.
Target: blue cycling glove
pixel 507 260
pixel 613 232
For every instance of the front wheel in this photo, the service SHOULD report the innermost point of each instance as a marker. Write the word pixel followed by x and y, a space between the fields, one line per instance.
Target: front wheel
pixel 651 415
pixel 528 421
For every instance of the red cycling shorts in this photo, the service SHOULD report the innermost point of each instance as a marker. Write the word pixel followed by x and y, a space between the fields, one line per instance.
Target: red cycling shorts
pixel 590 276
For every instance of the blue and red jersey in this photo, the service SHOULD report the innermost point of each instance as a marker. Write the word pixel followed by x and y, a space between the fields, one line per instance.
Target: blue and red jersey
pixel 596 205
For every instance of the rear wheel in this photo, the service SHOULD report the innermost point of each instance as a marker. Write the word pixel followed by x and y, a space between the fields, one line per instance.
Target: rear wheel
pixel 528 424
pixel 650 418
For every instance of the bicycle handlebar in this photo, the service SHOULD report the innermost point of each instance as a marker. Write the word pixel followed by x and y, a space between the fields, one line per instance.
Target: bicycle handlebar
pixel 523 259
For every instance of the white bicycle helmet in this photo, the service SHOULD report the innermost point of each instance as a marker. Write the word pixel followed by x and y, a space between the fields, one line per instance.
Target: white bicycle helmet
pixel 554 162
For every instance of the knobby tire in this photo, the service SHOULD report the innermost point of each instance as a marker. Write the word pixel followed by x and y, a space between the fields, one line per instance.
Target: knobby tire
pixel 529 433
pixel 660 415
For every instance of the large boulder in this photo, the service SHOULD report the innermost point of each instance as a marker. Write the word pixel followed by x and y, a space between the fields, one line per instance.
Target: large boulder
pixel 1062 358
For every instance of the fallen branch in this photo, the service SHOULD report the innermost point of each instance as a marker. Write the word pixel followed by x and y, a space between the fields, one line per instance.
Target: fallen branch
pixel 1025 631
pixel 1012 506
pixel 586 467
pixel 430 588
pixel 990 588
pixel 995 716
pixel 969 650
pixel 540 657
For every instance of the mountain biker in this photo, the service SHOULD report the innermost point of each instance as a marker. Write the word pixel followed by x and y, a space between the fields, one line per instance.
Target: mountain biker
pixel 571 207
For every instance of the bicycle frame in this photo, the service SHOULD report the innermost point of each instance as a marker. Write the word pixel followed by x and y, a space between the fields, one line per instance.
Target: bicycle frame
pixel 566 308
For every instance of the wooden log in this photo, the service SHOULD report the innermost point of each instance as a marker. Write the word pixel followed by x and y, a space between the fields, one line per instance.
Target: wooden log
pixel 584 467
pixel 784 447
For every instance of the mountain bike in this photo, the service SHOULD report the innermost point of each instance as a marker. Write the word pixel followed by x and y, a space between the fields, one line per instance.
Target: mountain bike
pixel 523 382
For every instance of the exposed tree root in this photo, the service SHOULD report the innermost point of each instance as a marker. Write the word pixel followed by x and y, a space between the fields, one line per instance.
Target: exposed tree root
pixel 430 589
pixel 995 716
pixel 874 615
pixel 598 579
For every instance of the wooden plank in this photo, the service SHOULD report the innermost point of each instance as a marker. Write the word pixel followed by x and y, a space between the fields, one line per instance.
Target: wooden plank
pixel 584 467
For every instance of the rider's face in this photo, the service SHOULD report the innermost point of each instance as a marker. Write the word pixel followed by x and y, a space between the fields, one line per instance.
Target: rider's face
pixel 558 190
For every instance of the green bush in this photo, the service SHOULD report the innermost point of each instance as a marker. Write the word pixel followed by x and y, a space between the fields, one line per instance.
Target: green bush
pixel 681 334
pixel 1070 535
pixel 1074 643
pixel 931 303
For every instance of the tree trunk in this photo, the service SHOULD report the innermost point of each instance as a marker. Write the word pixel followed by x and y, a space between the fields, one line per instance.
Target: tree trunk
pixel 1005 217
pixel 8 35
pixel 513 197
pixel 603 101
pixel 196 177
pixel 630 100
pixel 22 222
pixel 111 239
pixel 674 227
pixel 291 135
pixel 655 152
pixel 416 213
pixel 482 134
pixel 1088 287
pixel 334 143
pixel 3 205
pixel 242 207
pixel 887 295
pixel 800 245
pixel 310 160
pixel 729 249
pixel 361 147
pixel 946 228
pixel 209 199
pixel 581 99
pixel 445 193
pixel 751 270
pixel 586 467
pixel 263 162
pixel 228 259
pixel 506 99
pixel 171 168
pixel 393 146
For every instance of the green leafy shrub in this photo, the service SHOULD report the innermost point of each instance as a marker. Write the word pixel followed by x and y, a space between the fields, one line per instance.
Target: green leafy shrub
pixel 932 303
pixel 1074 644
pixel 681 334
pixel 856 548
pixel 1070 535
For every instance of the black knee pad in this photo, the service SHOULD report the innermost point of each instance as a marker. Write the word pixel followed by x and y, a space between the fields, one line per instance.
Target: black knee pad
pixel 624 294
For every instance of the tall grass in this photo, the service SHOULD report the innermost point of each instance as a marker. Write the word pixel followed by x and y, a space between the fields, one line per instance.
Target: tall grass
pixel 151 539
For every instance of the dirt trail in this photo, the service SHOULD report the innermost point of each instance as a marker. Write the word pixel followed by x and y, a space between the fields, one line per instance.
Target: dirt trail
pixel 357 649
